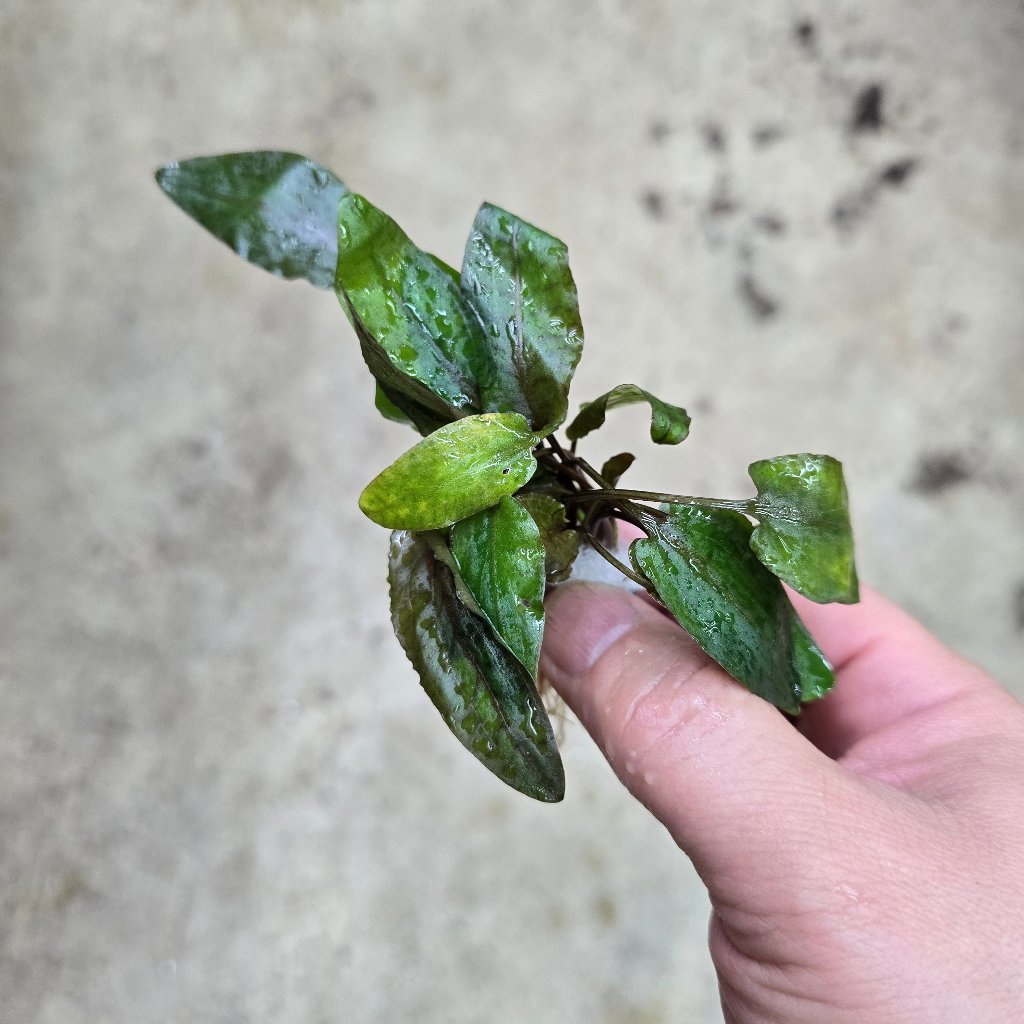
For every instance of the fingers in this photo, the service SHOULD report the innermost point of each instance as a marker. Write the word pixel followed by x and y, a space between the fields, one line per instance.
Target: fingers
pixel 736 785
pixel 888 667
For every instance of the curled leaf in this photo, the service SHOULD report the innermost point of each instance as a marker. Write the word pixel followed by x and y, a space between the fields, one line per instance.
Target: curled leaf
pixel 804 535
pixel 458 470
pixel 561 544
pixel 669 423
pixel 500 558
pixel 517 279
pixel 701 566
pixel 277 210
pixel 614 467
pixel 484 694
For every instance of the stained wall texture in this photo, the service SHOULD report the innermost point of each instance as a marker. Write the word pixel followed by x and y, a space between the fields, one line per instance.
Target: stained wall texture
pixel 223 796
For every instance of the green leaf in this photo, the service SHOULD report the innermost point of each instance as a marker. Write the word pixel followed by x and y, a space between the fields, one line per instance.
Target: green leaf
pixel 702 567
pixel 614 467
pixel 484 694
pixel 813 669
pixel 517 279
pixel 277 210
pixel 669 423
pixel 417 334
pixel 460 469
pixel 561 545
pixel 501 559
pixel 389 409
pixel 805 536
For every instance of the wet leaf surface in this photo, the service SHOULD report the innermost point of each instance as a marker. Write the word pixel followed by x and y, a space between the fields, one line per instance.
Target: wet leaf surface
pixel 669 423
pixel 702 567
pixel 277 210
pixel 500 557
pixel 517 279
pixel 460 469
pixel 413 321
pixel 805 536
pixel 483 693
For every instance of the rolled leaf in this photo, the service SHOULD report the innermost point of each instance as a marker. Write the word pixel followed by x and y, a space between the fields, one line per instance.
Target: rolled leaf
pixel 484 694
pixel 277 210
pixel 561 544
pixel 500 558
pixel 805 536
pixel 517 279
pixel 701 566
pixel 460 469
pixel 669 423
pixel 415 329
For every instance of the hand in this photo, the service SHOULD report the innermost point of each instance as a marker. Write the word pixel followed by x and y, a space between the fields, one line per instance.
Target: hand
pixel 867 866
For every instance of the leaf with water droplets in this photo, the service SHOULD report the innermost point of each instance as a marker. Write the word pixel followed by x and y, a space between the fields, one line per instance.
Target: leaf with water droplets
pixel 561 544
pixel 517 279
pixel 500 557
pixel 277 210
pixel 701 566
pixel 805 536
pixel 669 423
pixel 483 693
pixel 417 334
pixel 460 469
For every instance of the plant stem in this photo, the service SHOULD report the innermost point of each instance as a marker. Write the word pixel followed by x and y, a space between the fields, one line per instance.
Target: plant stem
pixel 742 505
pixel 612 560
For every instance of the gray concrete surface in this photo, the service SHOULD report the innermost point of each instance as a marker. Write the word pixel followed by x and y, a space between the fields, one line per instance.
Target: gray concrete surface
pixel 223 796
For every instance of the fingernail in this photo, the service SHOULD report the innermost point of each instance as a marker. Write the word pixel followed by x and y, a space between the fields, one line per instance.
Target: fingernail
pixel 582 621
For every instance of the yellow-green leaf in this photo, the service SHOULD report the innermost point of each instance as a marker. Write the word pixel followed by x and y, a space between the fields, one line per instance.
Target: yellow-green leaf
pixel 460 469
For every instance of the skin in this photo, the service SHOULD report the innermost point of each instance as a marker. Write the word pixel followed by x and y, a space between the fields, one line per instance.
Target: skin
pixel 867 865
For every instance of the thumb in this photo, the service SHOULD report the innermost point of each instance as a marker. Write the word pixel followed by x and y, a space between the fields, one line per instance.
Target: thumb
pixel 739 789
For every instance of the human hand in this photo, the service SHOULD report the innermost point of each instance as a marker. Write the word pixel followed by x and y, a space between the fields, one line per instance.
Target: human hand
pixel 867 866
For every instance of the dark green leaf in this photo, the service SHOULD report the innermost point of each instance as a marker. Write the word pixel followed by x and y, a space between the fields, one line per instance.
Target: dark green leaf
pixel 277 210
pixel 388 409
pixel 613 469
pixel 458 470
pixel 669 423
pixel 415 329
pixel 517 278
pixel 561 545
pixel 483 693
pixel 703 569
pixel 805 536
pixel 813 669
pixel 500 558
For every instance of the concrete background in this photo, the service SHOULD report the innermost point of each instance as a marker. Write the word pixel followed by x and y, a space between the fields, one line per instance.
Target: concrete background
pixel 223 796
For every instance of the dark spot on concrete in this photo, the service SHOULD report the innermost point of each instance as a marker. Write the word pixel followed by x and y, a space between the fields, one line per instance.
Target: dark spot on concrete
pixel 848 210
pixel 189 496
pixel 806 33
pixel 606 909
pixel 714 136
pixel 896 173
pixel 867 109
pixel 939 471
pixel 653 202
pixel 195 447
pixel 766 134
pixel 1018 608
pixel 658 132
pixel 704 406
pixel 770 224
pixel 276 467
pixel 761 305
